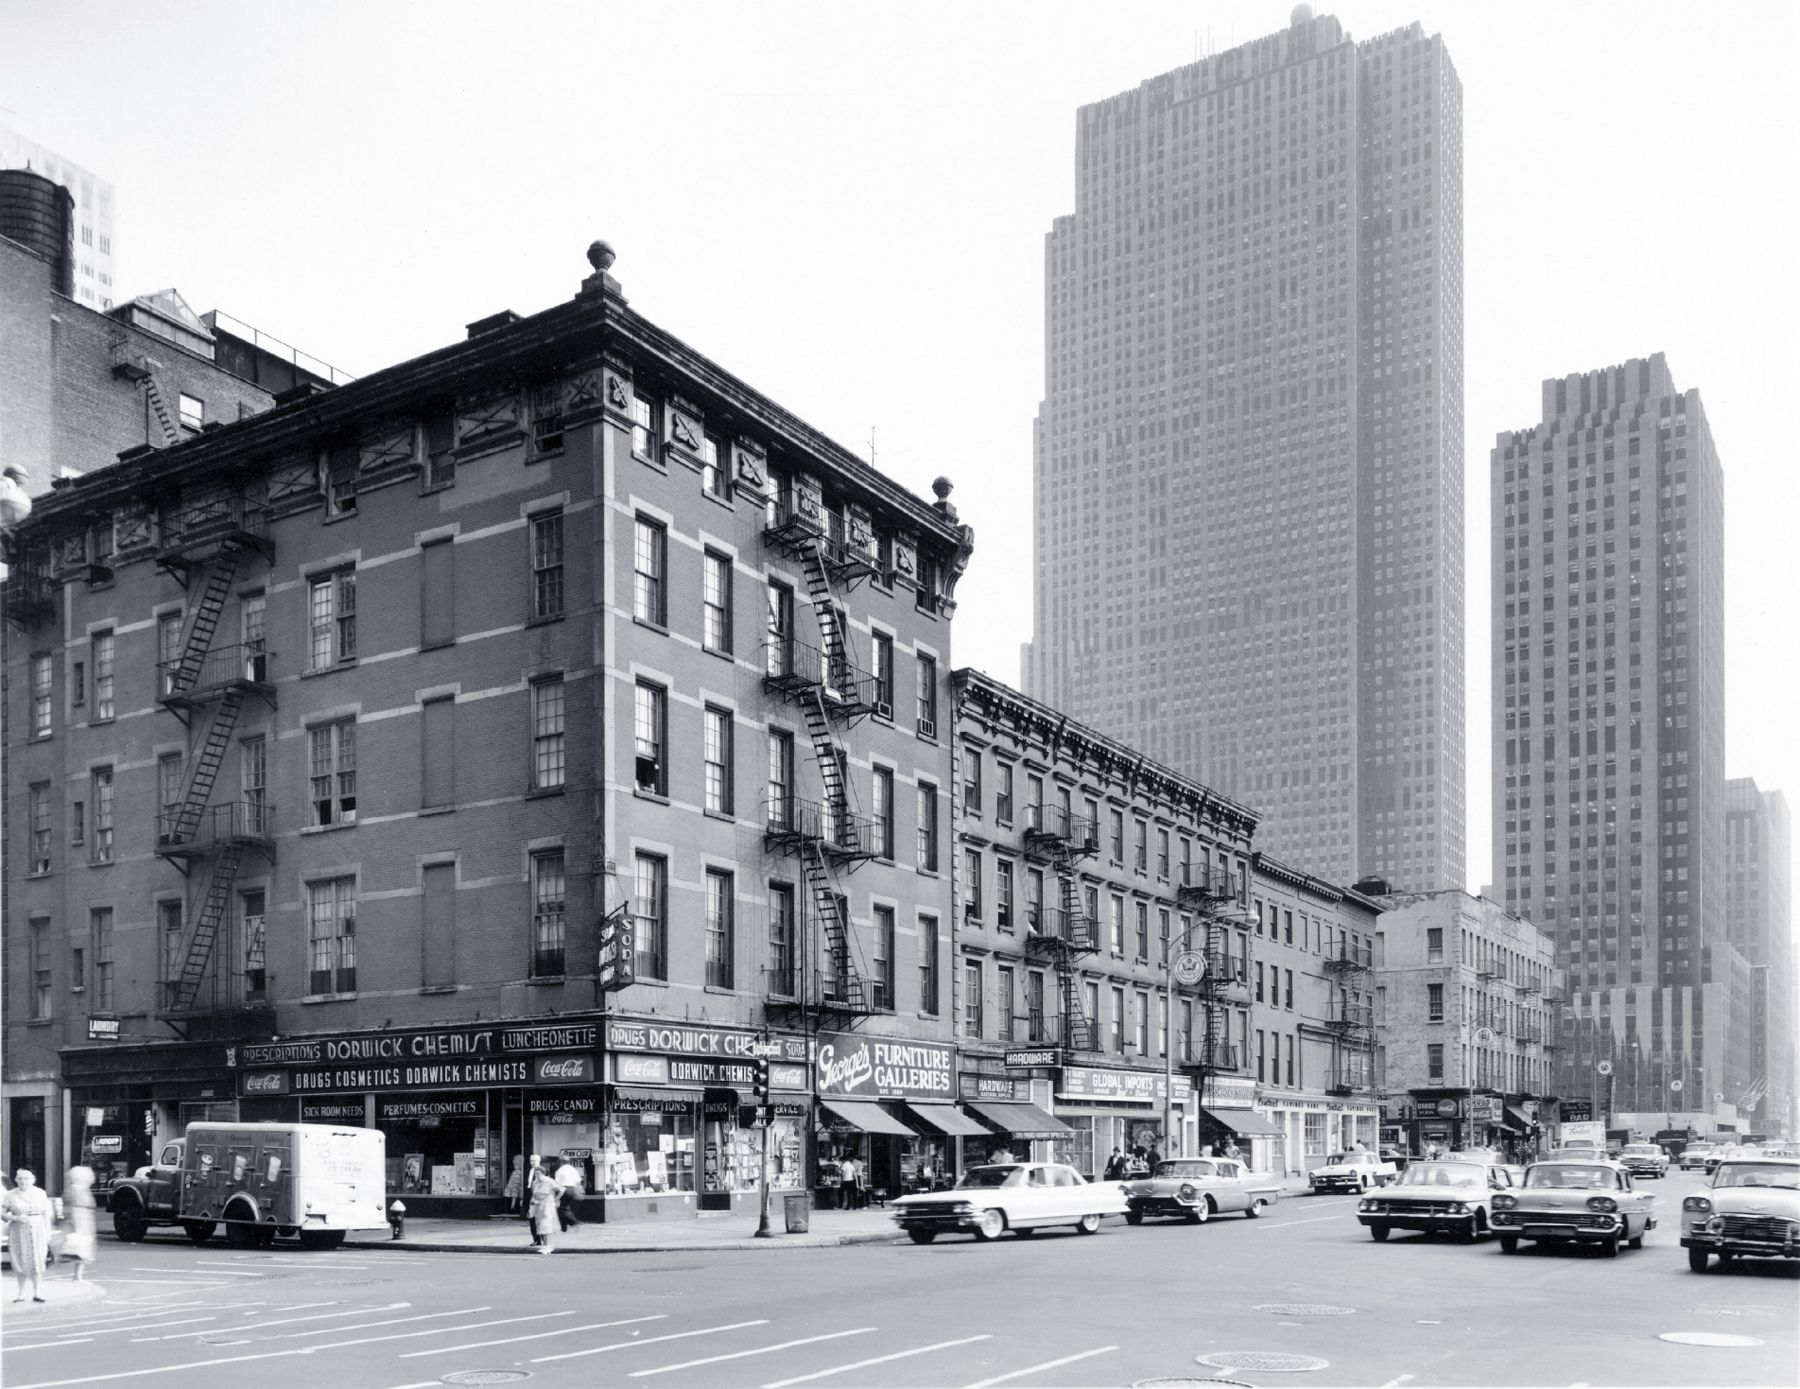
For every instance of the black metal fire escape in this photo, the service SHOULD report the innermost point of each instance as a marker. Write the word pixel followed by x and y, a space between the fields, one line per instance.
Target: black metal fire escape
pixel 206 547
pixel 1215 897
pixel 829 836
pixel 1350 1015
pixel 1063 935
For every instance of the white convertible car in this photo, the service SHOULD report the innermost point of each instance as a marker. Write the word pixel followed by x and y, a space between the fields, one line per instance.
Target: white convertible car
pixel 1023 1197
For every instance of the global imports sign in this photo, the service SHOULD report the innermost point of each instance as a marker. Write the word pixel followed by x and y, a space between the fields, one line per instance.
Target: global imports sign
pixel 1087 1083
pixel 850 1066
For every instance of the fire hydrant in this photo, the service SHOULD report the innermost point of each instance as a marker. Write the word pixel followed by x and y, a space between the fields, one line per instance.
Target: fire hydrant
pixel 396 1215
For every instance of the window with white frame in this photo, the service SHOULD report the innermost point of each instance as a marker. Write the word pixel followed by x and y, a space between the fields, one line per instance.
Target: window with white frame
pixel 780 798
pixel 548 734
pixel 103 675
pixel 103 815
pixel 882 811
pixel 43 694
pixel 715 602
pixel 101 926
pixel 781 940
pixel 721 944
pixel 331 772
pixel 646 427
pixel 331 936
pixel 718 731
pixel 649 722
pixel 172 948
pixel 168 651
pixel 331 619
pixel 548 893
pixel 650 924
pixel 547 565
pixel 649 563
pixel 40 828
pixel 883 960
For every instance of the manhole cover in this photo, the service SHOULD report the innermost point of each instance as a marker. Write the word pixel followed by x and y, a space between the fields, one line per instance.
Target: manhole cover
pixel 485 1376
pixel 1707 1338
pixel 1737 1311
pixel 1269 1361
pixel 1304 1309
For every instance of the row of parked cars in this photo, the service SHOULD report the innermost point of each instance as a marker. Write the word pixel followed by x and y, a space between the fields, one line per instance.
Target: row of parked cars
pixel 1751 1208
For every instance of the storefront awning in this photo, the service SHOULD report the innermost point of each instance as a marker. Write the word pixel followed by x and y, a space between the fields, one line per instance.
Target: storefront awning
pixel 1519 1122
pixel 1244 1123
pixel 870 1118
pixel 946 1118
pixel 1021 1120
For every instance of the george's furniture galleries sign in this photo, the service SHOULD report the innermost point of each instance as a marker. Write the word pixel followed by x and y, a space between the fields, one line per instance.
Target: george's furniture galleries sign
pixel 850 1066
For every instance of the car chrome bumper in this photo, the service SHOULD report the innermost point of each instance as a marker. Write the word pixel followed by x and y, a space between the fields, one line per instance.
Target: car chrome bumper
pixel 1753 1249
pixel 1418 1222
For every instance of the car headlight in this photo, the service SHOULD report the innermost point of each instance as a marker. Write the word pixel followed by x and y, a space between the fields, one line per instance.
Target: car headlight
pixel 1460 1208
pixel 965 1208
pixel 1697 1203
pixel 1602 1203
pixel 1187 1192
pixel 1716 1224
pixel 1365 1205
pixel 1503 1202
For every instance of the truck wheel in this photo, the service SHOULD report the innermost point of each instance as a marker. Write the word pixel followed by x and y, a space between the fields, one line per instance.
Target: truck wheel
pixel 199 1231
pixel 286 1231
pixel 919 1235
pixel 1378 1233
pixel 1696 1259
pixel 129 1224
pixel 324 1239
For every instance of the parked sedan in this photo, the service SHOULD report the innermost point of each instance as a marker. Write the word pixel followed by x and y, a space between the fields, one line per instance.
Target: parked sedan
pixel 1644 1160
pixel 1021 1196
pixel 1752 1210
pixel 1574 1202
pixel 1198 1189
pixel 1438 1197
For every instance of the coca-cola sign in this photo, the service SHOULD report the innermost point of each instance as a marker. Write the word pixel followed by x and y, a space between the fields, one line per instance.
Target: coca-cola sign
pixel 564 1070
pixel 266 1083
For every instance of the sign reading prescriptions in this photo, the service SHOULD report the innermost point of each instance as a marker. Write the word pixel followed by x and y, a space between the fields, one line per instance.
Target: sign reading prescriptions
pixel 850 1065
pixel 435 1044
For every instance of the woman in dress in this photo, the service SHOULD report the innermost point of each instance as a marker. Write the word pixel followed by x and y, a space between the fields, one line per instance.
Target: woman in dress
pixel 78 1244
pixel 27 1212
pixel 544 1194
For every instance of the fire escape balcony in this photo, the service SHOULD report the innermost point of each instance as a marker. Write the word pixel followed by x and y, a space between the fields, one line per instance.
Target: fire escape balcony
pixel 1225 972
pixel 1210 887
pixel 30 598
pixel 1348 958
pixel 1055 930
pixel 793 532
pixel 250 824
pixel 1054 835
pixel 795 670
pixel 1345 1016
pixel 840 834
pixel 793 997
pixel 241 667
pixel 1220 1056
pixel 194 535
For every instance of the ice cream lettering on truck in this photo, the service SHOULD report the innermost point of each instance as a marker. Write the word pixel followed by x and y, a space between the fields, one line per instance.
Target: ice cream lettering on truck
pixel 317 1181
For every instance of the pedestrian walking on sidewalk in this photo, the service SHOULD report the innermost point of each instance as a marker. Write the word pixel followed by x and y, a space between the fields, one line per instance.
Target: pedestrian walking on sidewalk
pixel 27 1212
pixel 570 1181
pixel 515 1186
pixel 544 1193
pixel 78 1242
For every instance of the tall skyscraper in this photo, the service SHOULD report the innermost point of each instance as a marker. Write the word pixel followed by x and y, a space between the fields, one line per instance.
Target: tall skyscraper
pixel 1758 879
pixel 95 265
pixel 1248 524
pixel 1608 736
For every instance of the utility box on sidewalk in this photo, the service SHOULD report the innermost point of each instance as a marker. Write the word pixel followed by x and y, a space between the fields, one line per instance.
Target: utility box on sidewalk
pixel 799 1212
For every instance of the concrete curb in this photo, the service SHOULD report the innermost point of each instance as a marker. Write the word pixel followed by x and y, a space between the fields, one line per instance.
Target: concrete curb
pixel 58 1292
pixel 780 1242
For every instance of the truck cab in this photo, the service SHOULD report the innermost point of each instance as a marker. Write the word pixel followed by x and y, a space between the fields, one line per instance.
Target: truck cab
pixel 150 1196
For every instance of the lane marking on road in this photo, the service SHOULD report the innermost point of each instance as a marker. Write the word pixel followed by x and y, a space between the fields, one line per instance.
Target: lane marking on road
pixel 371 1325
pixel 421 1384
pixel 128 1321
pixel 759 1350
pixel 1032 1369
pixel 1310 1220
pixel 878 1360
pixel 1396 1383
pixel 431 1331
pixel 278 1321
pixel 284 1263
pixel 13 1350
pixel 535 1336
pixel 213 1273
pixel 650 1340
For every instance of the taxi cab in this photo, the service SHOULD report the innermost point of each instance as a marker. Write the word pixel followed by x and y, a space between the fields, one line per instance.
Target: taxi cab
pixel 1751 1210
pixel 1587 1201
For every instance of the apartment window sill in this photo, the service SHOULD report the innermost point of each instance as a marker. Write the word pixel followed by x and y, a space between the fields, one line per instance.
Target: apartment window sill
pixel 723 815
pixel 545 979
pixel 719 989
pixel 328 670
pixel 328 998
pixel 721 653
pixel 657 627
pixel 544 792
pixel 328 829
pixel 435 810
pixel 644 795
pixel 543 619
pixel 439 989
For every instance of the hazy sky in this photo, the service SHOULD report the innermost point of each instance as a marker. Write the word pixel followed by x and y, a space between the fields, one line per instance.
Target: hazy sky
pixel 844 204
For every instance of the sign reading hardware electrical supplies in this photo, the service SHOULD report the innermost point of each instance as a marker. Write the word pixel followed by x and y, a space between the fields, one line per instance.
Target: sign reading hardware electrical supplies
pixel 849 1065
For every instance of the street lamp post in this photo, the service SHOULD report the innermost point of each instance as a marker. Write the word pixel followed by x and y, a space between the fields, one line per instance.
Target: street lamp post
pixel 1190 968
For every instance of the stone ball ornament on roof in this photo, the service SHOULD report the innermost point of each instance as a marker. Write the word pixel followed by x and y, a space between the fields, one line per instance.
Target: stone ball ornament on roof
pixel 601 256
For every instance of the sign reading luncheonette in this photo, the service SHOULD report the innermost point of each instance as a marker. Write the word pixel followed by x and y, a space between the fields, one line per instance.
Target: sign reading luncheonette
pixel 432 1044
pixel 853 1066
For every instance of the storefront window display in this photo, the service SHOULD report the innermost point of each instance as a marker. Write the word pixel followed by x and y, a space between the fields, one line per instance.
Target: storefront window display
pixel 649 1144
pixel 566 1128
pixel 925 1163
pixel 440 1147
pixel 732 1149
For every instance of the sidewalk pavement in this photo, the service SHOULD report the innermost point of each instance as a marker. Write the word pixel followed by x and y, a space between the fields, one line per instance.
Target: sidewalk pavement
pixel 59 1290
pixel 708 1231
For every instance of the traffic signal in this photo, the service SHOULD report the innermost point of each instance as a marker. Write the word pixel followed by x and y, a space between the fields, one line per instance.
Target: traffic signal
pixel 762 1080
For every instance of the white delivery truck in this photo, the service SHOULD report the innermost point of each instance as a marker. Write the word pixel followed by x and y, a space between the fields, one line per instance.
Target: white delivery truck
pixel 317 1181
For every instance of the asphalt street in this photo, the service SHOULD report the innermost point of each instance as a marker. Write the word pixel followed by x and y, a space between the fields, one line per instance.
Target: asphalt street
pixel 1304 1284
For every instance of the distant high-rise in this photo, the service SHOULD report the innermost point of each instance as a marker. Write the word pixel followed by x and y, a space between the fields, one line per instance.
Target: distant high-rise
pixel 94 261
pixel 1758 879
pixel 1608 736
pixel 1248 528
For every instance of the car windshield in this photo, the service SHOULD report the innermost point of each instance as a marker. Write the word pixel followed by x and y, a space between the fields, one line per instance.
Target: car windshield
pixel 1441 1174
pixel 1338 1158
pixel 1644 1149
pixel 1184 1169
pixel 1782 1174
pixel 992 1176
pixel 1569 1175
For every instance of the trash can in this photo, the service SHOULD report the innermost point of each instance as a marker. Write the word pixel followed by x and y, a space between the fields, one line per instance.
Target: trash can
pixel 799 1212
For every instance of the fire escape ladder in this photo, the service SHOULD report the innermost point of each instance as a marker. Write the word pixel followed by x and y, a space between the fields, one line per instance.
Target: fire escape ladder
pixel 206 765
pixel 213 908
pixel 1078 1027
pixel 198 639
pixel 159 409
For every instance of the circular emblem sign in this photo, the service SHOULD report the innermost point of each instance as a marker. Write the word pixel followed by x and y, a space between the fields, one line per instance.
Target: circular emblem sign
pixel 1605 1068
pixel 1446 1109
pixel 1675 1085
pixel 1190 967
pixel 1484 1037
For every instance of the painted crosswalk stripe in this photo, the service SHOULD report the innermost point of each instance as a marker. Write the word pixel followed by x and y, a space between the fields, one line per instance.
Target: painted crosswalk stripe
pixel 13 1350
pixel 759 1350
pixel 649 1340
pixel 210 1273
pixel 877 1360
pixel 1033 1369
pixel 429 1331
pixel 281 1321
pixel 534 1336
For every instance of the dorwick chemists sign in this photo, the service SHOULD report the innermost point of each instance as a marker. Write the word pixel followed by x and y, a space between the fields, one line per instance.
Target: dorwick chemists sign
pixel 851 1066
